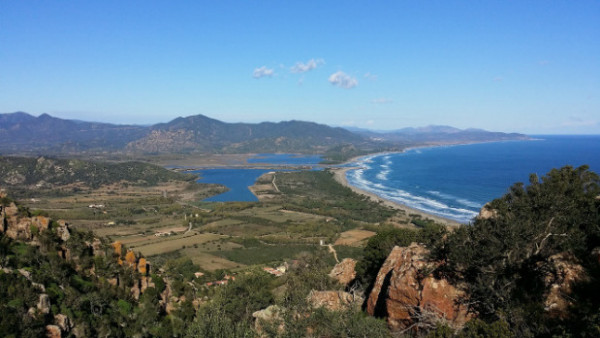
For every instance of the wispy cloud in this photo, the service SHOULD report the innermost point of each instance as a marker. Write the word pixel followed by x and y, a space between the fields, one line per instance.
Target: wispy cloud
pixel 262 72
pixel 381 100
pixel 370 76
pixel 311 64
pixel 343 80
pixel 498 79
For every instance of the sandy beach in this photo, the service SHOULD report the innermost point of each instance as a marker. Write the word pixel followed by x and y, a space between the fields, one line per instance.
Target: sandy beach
pixel 340 176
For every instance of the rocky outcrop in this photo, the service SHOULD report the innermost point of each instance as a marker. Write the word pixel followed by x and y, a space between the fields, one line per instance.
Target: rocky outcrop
pixel 410 297
pixel 333 300
pixel 344 272
pixel 63 322
pixel 487 212
pixel 19 226
pixel 271 316
pixel 97 248
pixel 62 230
pixel 43 304
pixel 563 271
pixel 53 331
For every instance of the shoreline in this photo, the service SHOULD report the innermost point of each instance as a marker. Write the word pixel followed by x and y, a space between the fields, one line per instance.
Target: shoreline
pixel 339 174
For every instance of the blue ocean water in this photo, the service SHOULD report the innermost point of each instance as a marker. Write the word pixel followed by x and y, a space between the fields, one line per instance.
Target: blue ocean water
pixel 456 181
pixel 238 180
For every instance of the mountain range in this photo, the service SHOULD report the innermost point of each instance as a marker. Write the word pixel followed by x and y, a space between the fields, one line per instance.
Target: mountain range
pixel 22 133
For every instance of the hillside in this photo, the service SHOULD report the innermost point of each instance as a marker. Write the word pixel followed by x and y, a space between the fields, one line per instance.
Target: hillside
pixel 23 176
pixel 527 267
pixel 24 134
pixel 202 134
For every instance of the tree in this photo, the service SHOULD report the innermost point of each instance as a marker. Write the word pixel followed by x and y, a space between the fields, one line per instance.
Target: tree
pixel 501 257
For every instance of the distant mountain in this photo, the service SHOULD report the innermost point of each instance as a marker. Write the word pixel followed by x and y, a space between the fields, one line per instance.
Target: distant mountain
pixel 437 135
pixel 24 134
pixel 203 134
pixel 21 132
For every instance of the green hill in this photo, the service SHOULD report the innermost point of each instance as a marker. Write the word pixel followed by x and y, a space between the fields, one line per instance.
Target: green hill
pixel 23 176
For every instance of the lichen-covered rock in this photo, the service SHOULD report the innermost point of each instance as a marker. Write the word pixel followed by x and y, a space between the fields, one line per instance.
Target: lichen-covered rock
pixel 97 248
pixel 63 322
pixel 333 300
pixel 344 272
pixel 271 315
pixel 563 272
pixel 43 304
pixel 63 230
pixel 409 296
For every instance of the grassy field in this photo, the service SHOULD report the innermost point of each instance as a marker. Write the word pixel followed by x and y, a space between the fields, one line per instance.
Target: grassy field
pixel 303 209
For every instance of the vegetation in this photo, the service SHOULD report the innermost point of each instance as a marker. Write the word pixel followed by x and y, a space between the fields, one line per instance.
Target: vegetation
pixel 28 177
pixel 505 262
pixel 504 259
pixel 318 193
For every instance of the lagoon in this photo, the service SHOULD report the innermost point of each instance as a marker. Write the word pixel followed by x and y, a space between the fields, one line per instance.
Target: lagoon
pixel 238 180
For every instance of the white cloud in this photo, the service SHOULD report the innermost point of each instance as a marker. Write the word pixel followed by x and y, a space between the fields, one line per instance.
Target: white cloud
pixel 343 80
pixel 301 67
pixel 382 100
pixel 262 72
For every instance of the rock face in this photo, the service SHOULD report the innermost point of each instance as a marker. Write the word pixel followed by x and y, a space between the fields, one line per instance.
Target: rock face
pixel 272 315
pixel 43 304
pixel 63 230
pixel 344 272
pixel 409 296
pixel 333 300
pixel 487 212
pixel 20 227
pixel 53 331
pixel 563 272
pixel 63 322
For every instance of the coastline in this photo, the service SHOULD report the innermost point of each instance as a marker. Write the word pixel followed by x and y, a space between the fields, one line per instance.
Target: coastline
pixel 339 174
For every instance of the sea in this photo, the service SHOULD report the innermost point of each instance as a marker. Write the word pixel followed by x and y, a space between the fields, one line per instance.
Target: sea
pixel 454 182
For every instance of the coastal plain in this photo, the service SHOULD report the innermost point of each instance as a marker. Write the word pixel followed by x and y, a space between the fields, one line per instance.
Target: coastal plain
pixel 297 212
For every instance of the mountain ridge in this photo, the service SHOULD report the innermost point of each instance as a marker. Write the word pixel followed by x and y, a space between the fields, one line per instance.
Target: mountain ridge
pixel 22 133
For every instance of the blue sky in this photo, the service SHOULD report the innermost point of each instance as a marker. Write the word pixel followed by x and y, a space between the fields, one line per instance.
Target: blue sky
pixel 524 66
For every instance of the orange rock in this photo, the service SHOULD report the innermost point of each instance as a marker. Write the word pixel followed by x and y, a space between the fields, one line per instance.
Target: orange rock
pixel 53 331
pixel 41 222
pixel 407 294
pixel 118 247
pixel 344 272
pixel 142 266
pixel 130 258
